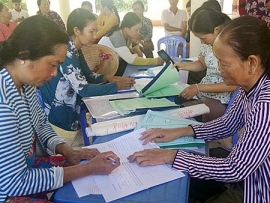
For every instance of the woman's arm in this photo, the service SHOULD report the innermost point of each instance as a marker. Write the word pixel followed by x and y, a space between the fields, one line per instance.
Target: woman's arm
pixel 216 88
pixel 195 66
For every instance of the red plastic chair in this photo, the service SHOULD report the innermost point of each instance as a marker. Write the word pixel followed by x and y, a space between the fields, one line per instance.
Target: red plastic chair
pixel 171 44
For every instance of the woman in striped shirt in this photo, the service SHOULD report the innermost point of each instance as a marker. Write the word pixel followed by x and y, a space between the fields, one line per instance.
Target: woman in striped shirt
pixel 29 58
pixel 243 52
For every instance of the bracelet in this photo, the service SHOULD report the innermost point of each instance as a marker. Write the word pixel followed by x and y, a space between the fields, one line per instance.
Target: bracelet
pixel 198 88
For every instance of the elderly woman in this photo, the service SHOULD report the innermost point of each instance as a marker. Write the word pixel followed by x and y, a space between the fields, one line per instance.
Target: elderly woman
pixel 29 58
pixel 121 42
pixel 74 80
pixel 44 10
pixel 243 64
pixel 6 26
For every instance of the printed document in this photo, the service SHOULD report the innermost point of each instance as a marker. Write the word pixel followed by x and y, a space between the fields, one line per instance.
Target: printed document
pixel 130 178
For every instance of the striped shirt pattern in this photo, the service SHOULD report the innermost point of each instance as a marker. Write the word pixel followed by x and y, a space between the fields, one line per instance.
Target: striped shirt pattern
pixel 249 159
pixel 20 117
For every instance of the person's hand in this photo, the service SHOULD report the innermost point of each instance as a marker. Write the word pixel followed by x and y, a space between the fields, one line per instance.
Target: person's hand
pixel 160 61
pixel 122 83
pixel 267 6
pixel 181 65
pixel 125 83
pixel 138 52
pixel 160 135
pixel 102 165
pixel 151 157
pixel 189 92
pixel 73 157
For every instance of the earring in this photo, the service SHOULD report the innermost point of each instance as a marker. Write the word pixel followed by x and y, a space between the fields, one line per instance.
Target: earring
pixel 21 62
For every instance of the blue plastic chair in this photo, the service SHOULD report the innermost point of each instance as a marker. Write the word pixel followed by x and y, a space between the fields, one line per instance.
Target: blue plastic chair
pixel 171 44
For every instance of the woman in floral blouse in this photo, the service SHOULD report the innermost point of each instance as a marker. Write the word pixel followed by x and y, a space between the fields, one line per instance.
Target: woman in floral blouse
pixel 212 85
pixel 74 80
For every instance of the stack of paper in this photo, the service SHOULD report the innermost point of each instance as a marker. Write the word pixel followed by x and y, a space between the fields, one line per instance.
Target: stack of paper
pixel 154 119
pixel 128 123
pixel 140 105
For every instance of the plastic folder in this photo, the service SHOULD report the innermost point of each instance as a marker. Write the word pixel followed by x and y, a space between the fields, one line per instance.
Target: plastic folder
pixel 167 76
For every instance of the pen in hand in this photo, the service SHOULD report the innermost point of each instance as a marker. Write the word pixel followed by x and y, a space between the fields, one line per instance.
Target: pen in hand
pixel 112 160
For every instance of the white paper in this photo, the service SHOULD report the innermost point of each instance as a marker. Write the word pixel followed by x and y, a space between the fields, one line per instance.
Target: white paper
pixel 100 106
pixel 190 111
pixel 113 126
pixel 130 178
pixel 85 186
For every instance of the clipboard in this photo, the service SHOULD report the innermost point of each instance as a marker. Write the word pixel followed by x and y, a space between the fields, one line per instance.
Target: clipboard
pixel 167 76
pixel 163 54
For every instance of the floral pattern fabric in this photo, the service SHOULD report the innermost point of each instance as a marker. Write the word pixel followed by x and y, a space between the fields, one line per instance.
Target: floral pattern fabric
pixel 257 8
pixel 212 75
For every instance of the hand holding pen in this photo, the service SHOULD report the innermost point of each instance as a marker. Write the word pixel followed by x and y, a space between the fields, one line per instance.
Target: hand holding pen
pixel 104 163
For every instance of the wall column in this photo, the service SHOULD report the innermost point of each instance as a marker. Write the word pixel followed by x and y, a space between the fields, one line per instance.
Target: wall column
pixel 195 43
pixel 64 9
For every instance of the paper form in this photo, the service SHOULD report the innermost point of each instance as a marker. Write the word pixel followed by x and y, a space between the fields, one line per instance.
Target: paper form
pixel 127 106
pixel 130 178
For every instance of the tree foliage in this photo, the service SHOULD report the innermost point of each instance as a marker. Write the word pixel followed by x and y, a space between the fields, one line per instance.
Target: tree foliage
pixel 123 5
pixel 8 3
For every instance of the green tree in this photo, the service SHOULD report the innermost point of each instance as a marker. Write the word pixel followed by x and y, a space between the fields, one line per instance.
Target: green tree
pixel 8 3
pixel 123 5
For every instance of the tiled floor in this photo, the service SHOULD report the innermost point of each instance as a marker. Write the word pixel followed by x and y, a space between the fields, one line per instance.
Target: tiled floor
pixel 74 139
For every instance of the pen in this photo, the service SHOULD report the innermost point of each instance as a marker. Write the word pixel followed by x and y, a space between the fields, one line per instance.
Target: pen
pixel 112 160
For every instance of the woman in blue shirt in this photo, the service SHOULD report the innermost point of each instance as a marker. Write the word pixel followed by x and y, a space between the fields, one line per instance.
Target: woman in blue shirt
pixel 74 80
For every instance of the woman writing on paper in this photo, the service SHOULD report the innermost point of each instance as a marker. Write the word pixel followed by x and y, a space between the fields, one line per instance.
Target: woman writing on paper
pixel 74 80
pixel 28 58
pixel 121 42
pixel 242 64
pixel 206 24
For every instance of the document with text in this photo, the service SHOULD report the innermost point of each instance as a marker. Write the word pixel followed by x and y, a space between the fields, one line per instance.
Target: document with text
pixel 130 178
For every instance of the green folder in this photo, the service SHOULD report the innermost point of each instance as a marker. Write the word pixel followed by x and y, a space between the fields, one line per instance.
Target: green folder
pixel 157 86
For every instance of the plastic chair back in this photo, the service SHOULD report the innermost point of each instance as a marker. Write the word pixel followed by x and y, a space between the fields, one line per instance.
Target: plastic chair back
pixel 171 44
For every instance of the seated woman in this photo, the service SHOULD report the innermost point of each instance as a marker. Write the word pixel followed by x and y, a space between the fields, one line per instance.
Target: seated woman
pixel 108 18
pixel 29 58
pixel 146 31
pixel 121 42
pixel 212 85
pixel 74 80
pixel 44 10
pixel 242 64
pixel 6 26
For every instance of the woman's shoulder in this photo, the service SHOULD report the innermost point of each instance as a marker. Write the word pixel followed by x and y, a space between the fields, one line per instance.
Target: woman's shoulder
pixel 206 49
